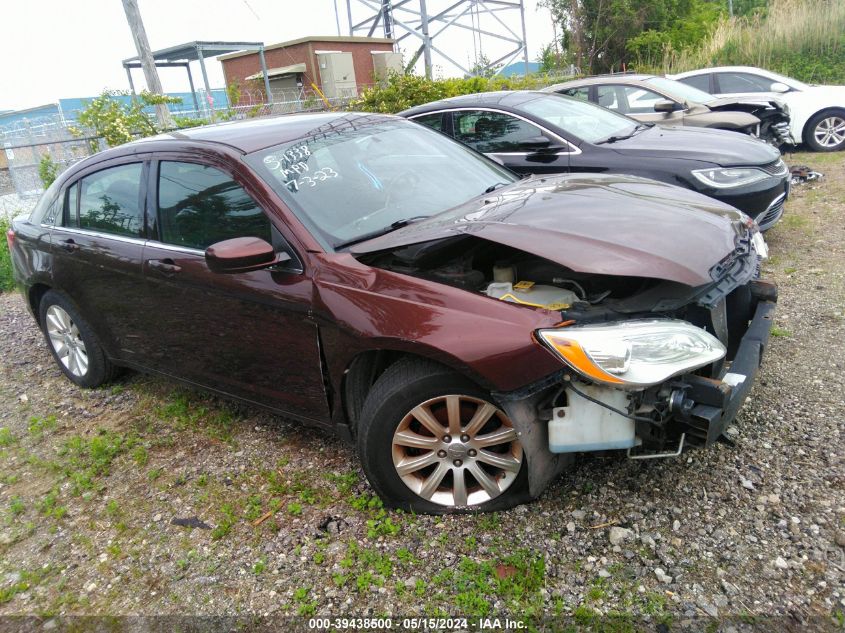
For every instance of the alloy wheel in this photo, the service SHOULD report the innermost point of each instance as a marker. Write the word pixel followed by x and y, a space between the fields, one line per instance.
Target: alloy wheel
pixel 66 341
pixel 456 450
pixel 830 132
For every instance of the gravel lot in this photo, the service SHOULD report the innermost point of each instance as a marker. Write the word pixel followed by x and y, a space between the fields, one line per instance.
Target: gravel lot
pixel 144 498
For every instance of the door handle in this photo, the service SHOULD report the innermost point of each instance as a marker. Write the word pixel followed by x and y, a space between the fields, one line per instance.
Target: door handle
pixel 164 266
pixel 69 245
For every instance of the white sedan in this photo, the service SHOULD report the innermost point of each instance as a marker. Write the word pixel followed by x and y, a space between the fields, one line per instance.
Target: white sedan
pixel 817 112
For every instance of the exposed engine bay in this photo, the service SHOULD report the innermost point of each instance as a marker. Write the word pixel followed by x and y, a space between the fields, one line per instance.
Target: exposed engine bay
pixel 582 415
pixel 774 120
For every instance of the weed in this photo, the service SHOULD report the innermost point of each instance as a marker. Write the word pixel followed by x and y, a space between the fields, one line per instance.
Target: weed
pixel 7 278
pixel 85 460
pixel 17 506
pixel 780 332
pixel 344 482
pixel 140 456
pixel 50 507
pixel 37 426
pixel 260 566
pixel 294 509
pixel 26 580
pixel 253 508
pixel 790 270
pixel 364 581
pixel 340 579
pixel 227 521
pixel 6 437
pixel 154 473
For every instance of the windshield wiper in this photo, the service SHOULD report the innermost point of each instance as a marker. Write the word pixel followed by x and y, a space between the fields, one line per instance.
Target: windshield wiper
pixel 382 231
pixel 495 186
pixel 622 137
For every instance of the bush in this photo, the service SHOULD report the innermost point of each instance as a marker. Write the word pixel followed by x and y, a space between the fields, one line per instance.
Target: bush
pixel 406 91
pixel 7 280
pixel 48 169
pixel 803 39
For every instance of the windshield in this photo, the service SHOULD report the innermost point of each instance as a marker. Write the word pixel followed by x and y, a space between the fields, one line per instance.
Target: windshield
pixel 587 121
pixel 680 90
pixel 358 176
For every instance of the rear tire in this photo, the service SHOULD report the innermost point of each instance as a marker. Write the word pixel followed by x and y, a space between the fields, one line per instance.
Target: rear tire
pixel 72 342
pixel 432 441
pixel 825 132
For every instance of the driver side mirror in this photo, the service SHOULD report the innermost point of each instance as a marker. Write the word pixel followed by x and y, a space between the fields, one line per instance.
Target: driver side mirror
pixel 539 144
pixel 242 254
pixel 780 87
pixel 667 105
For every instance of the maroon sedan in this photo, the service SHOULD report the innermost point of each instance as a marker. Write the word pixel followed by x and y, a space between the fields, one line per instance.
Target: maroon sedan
pixel 469 330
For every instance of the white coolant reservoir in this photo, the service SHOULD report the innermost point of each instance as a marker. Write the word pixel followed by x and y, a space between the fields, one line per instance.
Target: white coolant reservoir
pixel 586 426
pixel 531 294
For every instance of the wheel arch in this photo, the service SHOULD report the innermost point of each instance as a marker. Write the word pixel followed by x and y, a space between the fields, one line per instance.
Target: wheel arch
pixel 34 295
pixel 365 368
pixel 829 110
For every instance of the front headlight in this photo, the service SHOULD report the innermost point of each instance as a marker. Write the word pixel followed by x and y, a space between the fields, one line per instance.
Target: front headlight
pixel 725 178
pixel 633 354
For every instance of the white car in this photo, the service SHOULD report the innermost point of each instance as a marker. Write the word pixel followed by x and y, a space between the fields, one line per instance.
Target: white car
pixel 817 112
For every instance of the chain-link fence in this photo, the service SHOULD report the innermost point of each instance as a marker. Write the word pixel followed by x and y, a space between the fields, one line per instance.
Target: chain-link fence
pixel 24 143
pixel 23 146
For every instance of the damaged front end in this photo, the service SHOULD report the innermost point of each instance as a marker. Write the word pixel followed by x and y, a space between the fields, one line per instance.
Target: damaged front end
pixel 647 365
pixel 773 115
pixel 651 377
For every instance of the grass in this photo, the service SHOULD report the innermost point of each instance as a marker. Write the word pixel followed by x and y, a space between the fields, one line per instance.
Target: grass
pixel 7 280
pixel 475 585
pixel 189 410
pixel 6 437
pixel 84 460
pixel 227 522
pixel 799 38
pixel 37 425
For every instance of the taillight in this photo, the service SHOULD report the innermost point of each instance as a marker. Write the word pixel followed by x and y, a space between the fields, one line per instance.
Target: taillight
pixel 10 238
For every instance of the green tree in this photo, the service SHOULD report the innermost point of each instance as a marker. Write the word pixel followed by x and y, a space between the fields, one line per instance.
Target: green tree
pixel 610 35
pixel 117 122
pixel 48 169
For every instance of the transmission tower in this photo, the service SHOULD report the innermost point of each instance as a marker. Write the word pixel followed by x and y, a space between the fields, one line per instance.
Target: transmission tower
pixel 435 27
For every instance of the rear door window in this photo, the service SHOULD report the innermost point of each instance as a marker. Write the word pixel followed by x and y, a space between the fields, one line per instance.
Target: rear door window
pixel 110 201
pixel 492 132
pixel 702 82
pixel 199 205
pixel 743 82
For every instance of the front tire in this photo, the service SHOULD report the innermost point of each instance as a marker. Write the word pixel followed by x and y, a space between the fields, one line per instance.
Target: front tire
pixel 432 441
pixel 72 342
pixel 825 132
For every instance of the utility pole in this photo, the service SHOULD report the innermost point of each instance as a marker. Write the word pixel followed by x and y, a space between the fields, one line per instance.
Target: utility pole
pixel 145 55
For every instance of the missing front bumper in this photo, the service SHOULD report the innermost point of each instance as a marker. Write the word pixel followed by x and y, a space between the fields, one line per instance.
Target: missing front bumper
pixel 709 405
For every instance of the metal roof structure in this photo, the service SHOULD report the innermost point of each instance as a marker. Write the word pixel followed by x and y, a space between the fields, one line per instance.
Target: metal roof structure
pixel 182 55
pixel 280 72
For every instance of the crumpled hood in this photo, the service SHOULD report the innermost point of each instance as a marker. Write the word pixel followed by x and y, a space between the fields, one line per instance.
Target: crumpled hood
pixel 725 103
pixel 719 147
pixel 601 224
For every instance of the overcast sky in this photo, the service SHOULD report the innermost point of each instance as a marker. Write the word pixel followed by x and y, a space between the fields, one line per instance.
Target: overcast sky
pixel 52 49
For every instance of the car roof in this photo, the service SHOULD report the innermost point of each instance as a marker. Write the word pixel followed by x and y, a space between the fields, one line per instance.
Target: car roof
pixel 251 135
pixel 503 99
pixel 603 79
pixel 713 69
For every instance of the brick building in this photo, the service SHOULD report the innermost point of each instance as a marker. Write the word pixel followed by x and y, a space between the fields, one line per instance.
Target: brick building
pixel 340 66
